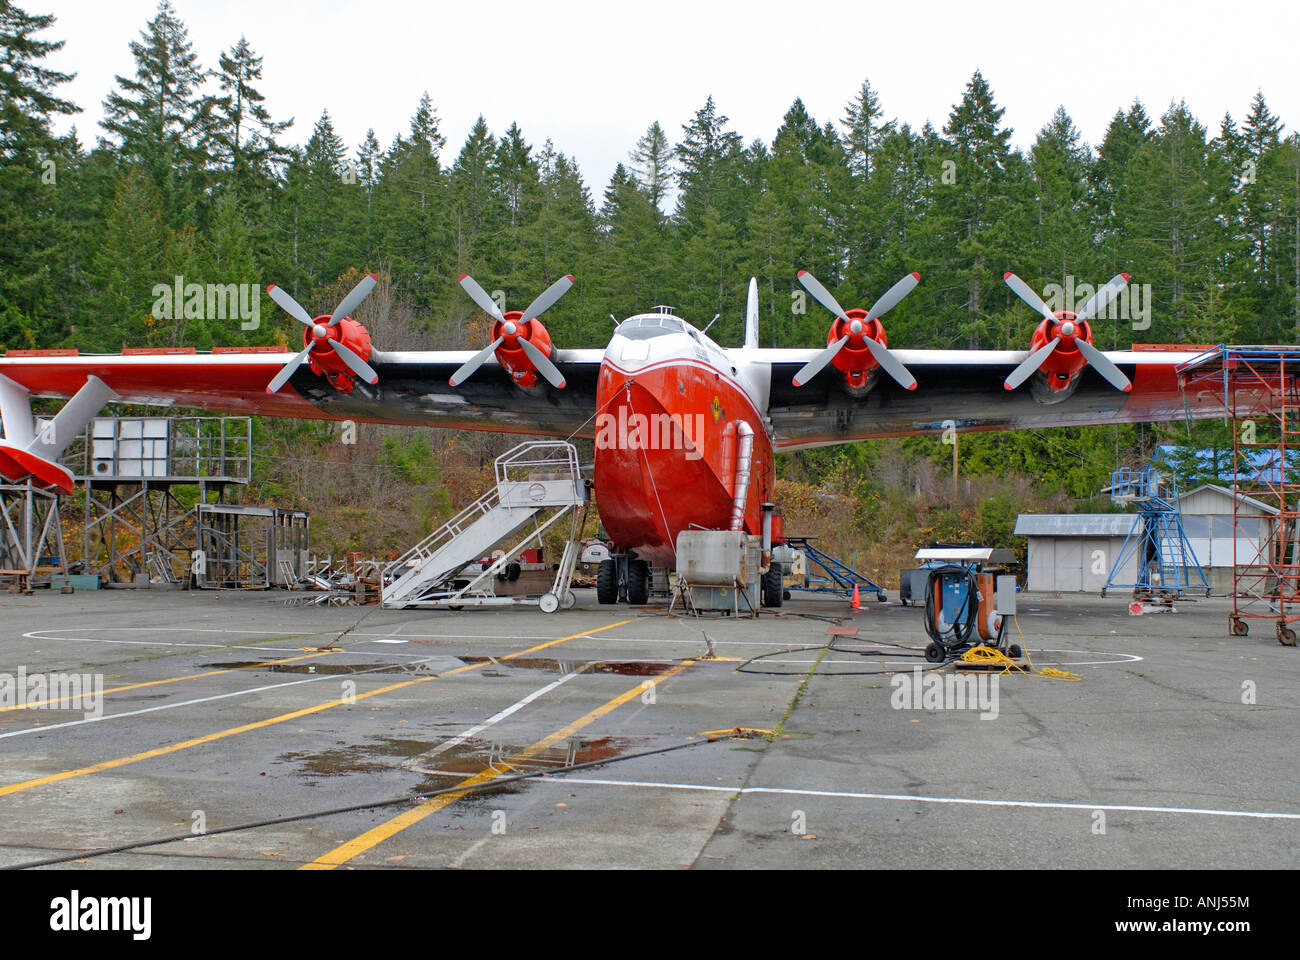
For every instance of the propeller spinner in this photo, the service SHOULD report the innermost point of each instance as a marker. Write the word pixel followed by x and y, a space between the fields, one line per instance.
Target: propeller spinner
pixel 335 333
pixel 1069 333
pixel 860 329
pixel 515 332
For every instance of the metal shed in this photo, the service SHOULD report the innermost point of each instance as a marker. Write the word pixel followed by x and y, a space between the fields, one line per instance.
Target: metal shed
pixel 1073 551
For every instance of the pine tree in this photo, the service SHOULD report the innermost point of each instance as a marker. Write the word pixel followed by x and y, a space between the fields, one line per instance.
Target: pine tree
pixel 38 240
pixel 864 130
pixel 982 154
pixel 243 135
pixel 708 157
pixel 652 164
pixel 160 117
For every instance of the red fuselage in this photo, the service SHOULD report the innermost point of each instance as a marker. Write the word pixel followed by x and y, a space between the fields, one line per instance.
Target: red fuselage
pixel 670 404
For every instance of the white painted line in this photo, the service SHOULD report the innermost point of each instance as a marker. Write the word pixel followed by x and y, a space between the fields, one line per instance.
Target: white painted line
pixel 560 778
pixel 490 721
pixel 182 703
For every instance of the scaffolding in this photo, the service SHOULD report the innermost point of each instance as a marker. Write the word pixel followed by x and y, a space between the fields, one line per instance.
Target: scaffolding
pixel 1258 389
pixel 31 535
pixel 142 480
pixel 1166 566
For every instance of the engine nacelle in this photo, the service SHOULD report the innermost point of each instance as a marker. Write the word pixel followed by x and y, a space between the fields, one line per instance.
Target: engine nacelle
pixel 1064 363
pixel 325 362
pixel 511 355
pixel 854 359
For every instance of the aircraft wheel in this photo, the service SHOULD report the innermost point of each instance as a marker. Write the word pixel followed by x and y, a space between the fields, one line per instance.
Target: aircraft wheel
pixel 549 603
pixel 772 592
pixel 607 582
pixel 638 582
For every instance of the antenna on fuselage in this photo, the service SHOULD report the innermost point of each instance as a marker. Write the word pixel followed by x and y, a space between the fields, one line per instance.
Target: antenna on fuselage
pixel 711 322
pixel 614 318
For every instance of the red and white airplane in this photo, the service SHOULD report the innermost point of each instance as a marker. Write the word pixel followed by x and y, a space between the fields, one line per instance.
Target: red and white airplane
pixel 685 429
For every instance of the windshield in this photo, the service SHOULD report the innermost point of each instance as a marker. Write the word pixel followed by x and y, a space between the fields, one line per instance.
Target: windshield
pixel 645 328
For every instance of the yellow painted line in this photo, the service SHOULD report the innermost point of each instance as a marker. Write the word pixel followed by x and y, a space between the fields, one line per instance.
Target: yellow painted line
pixel 294 715
pixel 155 683
pixel 377 835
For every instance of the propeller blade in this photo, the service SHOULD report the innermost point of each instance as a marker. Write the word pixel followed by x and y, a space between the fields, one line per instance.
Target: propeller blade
pixel 890 298
pixel 890 363
pixel 1032 363
pixel 543 365
pixel 814 366
pixel 821 294
pixel 353 299
pixel 751 315
pixel 1103 365
pixel 479 296
pixel 467 368
pixel 547 299
pixel 1026 293
pixel 359 366
pixel 283 376
pixel 290 305
pixel 1100 300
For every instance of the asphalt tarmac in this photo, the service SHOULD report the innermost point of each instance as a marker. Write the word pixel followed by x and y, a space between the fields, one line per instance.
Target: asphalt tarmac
pixel 1172 749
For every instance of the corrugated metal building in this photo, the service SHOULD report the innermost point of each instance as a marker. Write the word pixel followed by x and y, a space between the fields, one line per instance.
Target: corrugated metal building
pixel 1073 552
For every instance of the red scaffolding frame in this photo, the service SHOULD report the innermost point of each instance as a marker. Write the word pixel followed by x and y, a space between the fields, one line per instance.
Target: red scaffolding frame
pixel 1258 389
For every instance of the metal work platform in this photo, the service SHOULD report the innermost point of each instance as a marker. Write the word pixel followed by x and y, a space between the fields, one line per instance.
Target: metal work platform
pixel 532 479
pixel 839 577
pixel 1257 386
pixel 143 479
pixel 1166 566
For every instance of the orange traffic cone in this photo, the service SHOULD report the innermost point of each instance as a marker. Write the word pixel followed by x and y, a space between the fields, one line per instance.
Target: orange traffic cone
pixel 857 600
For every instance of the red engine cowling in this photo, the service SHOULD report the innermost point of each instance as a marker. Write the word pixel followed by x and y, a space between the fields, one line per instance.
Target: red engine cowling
pixel 511 355
pixel 325 361
pixel 1063 364
pixel 854 359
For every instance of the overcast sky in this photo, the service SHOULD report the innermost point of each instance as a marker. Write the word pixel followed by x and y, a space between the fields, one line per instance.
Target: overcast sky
pixel 592 76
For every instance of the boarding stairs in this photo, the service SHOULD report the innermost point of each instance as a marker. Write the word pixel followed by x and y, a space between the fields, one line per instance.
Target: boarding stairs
pixel 533 479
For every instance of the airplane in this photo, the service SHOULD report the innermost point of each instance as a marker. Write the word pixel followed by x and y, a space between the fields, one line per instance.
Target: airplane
pixel 686 430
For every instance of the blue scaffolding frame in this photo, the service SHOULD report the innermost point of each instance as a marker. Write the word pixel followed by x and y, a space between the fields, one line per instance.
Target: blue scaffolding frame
pixel 840 577
pixel 1165 559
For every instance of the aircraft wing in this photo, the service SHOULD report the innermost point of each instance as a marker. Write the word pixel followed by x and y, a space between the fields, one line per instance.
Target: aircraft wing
pixel 964 388
pixel 412 388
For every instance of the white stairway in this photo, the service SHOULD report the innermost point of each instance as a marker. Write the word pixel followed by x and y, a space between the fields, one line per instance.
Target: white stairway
pixel 532 477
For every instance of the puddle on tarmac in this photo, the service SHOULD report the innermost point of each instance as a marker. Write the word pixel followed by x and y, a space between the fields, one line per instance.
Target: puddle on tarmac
pixel 323 668
pixel 474 756
pixel 445 769
pixel 624 668
pixel 371 757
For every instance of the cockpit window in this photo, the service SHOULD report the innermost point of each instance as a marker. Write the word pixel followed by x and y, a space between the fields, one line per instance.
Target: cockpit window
pixel 646 328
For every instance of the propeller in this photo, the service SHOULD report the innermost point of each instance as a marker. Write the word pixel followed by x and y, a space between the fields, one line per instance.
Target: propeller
pixel 511 330
pixel 1069 330
pixel 321 332
pixel 857 328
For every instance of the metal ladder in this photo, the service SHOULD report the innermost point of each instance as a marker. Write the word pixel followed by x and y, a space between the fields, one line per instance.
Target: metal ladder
pixel 531 478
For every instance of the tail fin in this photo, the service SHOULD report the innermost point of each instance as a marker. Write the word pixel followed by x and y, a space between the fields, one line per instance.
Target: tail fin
pixel 751 316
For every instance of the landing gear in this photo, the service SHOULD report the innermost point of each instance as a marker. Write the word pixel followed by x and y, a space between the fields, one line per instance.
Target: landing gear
pixel 638 582
pixel 607 581
pixel 772 590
